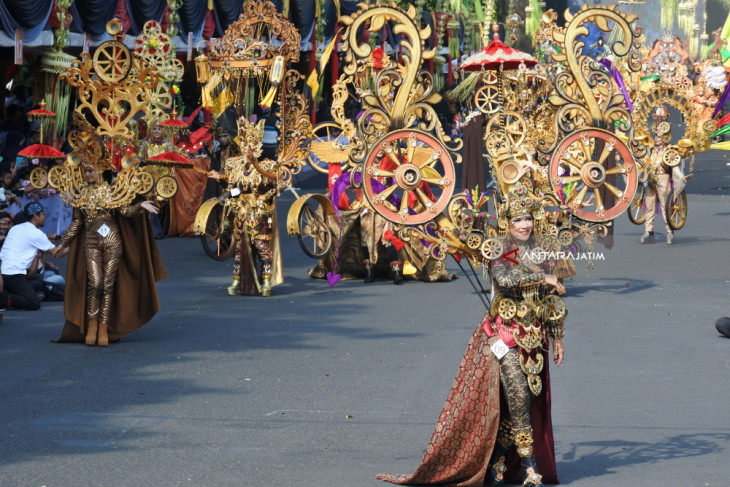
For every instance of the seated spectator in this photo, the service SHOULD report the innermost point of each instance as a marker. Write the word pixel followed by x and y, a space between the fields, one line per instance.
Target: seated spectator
pixel 20 254
pixel 6 222
pixel 7 186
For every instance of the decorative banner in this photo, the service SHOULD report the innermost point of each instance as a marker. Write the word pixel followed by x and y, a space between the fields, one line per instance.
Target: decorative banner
pixel 190 46
pixel 18 46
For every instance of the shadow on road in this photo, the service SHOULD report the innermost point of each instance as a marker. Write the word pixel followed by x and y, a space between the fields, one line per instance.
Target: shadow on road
pixel 605 457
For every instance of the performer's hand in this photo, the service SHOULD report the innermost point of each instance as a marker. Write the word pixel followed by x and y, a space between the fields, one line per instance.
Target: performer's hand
pixel 558 351
pixel 59 251
pixel 688 177
pixel 214 175
pixel 151 207
pixel 553 281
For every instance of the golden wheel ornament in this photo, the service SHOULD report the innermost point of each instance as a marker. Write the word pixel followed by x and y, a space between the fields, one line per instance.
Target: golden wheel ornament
pixel 550 243
pixel 553 308
pixel 550 229
pixel 514 125
pixel 166 187
pixel 580 159
pixel 328 146
pixel 408 177
pixel 671 158
pixel 56 176
pixel 676 210
pixel 474 240
pixel 498 143
pixel 215 224
pixel 38 178
pixel 487 99
pixel 112 61
pixel 491 249
pixel 173 69
pixel 79 140
pixel 637 211
pixel 315 237
pixel 146 181
pixel 565 237
pixel 160 96
pixel 507 309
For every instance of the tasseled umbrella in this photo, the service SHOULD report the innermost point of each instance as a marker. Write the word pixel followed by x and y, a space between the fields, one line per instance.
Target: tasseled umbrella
pixel 174 124
pixel 41 151
pixel 170 159
pixel 498 56
pixel 41 114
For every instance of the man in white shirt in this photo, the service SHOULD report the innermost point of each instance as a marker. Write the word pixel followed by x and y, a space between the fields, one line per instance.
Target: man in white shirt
pixel 23 244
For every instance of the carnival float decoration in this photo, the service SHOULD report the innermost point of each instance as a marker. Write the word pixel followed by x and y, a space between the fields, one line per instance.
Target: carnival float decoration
pixel 250 65
pixel 115 87
pixel 574 147
pixel 400 158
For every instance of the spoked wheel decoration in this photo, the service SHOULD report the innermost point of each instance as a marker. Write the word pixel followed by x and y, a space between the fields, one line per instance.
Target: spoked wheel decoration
pixel 38 178
pixel 676 210
pixel 408 177
pixel 214 223
pixel 554 308
pixel 580 159
pixel 328 146
pixel 514 125
pixel 315 238
pixel 487 99
pixel 637 212
pixel 112 61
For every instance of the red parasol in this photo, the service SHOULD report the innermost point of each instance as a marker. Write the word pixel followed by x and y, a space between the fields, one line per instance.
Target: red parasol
pixel 41 151
pixel 170 159
pixel 497 54
pixel 174 123
pixel 41 112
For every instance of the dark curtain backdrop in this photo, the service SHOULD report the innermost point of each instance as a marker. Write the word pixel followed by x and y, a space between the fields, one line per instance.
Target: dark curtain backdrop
pixel 142 11
pixel 91 16
pixel 226 12
pixel 192 18
pixel 302 16
pixel 329 11
pixel 29 15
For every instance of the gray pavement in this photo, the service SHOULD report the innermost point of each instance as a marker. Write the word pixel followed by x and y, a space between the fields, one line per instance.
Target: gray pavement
pixel 328 387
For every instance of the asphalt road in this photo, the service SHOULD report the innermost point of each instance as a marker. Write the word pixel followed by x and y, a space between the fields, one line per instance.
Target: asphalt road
pixel 328 387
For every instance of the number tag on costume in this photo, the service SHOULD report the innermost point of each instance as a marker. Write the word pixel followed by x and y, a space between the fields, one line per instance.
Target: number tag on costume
pixel 103 230
pixel 499 349
pixel 235 192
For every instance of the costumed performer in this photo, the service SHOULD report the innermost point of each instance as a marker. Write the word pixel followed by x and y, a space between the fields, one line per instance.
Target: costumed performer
pixel 659 184
pixel 155 144
pixel 497 415
pixel 257 266
pixel 113 261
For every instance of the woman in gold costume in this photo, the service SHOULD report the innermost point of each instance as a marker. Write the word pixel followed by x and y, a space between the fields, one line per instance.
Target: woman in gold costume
pixel 98 227
pixel 497 415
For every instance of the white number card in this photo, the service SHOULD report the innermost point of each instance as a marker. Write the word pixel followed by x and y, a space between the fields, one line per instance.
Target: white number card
pixel 103 230
pixel 499 349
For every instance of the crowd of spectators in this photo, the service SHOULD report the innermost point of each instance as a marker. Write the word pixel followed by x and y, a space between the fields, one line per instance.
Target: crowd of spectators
pixel 25 237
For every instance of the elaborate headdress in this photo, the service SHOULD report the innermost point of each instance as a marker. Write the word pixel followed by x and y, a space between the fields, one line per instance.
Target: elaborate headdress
pixel 520 201
pixel 250 136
